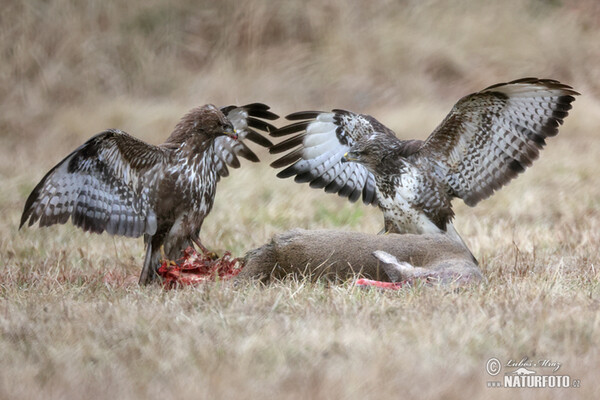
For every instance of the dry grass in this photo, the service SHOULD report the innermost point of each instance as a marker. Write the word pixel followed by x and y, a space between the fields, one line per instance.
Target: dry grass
pixel 71 69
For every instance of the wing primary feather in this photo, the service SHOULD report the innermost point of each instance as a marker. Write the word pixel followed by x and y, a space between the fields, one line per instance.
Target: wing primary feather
pixel 304 177
pixel 246 153
pixel 288 172
pixel 333 187
pixel 289 129
pixel 258 138
pixel 264 114
pixel 287 144
pixel 256 106
pixel 258 110
pixel 224 171
pixel 225 110
pixel 318 183
pixel 346 190
pixel 288 158
pixel 368 195
pixel 355 195
pixel 35 193
pixel 82 186
pixel 564 103
pixel 303 115
pixel 261 125
pixel 516 166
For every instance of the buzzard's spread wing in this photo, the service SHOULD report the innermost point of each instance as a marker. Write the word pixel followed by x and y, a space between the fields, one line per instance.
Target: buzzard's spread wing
pixel 318 143
pixel 491 136
pixel 100 186
pixel 245 120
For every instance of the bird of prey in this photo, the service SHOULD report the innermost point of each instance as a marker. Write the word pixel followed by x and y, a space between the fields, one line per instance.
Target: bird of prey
pixel 484 142
pixel 124 186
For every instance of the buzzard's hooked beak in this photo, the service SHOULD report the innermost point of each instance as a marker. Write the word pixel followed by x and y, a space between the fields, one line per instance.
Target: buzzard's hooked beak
pixel 231 132
pixel 347 157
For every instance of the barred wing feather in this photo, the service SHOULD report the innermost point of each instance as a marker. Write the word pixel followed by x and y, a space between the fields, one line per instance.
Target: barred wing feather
pixel 491 136
pixel 246 120
pixel 100 187
pixel 315 147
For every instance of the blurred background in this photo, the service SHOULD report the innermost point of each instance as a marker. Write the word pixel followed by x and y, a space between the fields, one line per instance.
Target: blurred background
pixel 80 66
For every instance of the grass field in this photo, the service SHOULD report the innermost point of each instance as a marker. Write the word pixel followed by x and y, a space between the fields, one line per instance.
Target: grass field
pixel 71 69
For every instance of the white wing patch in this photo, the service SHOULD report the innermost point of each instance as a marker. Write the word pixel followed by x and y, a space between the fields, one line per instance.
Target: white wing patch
pixel 239 119
pixel 316 150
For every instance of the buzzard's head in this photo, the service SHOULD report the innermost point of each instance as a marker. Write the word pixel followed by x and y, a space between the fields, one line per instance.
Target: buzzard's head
pixel 205 122
pixel 371 151
pixel 209 120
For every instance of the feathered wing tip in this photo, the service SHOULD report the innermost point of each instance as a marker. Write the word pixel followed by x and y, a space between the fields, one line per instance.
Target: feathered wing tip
pixel 535 83
pixel 87 187
pixel 28 209
pixel 247 121
pixel 315 145
pixel 491 136
pixel 249 117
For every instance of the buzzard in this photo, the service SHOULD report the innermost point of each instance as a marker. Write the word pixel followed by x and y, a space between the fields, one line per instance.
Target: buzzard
pixel 121 185
pixel 484 142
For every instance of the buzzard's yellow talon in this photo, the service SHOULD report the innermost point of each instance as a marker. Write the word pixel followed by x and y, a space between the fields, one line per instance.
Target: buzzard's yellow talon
pixel 163 257
pixel 211 254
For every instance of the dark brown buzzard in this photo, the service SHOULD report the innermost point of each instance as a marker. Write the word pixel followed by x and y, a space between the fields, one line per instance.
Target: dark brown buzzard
pixel 486 140
pixel 121 185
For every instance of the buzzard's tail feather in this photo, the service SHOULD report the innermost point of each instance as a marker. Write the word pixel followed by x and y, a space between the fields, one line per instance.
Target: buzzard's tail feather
pixel 457 238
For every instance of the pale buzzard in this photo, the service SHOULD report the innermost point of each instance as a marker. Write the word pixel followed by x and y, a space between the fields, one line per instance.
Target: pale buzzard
pixel 486 140
pixel 121 185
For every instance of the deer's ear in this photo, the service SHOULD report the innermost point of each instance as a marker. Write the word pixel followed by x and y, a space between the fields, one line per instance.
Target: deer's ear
pixel 396 271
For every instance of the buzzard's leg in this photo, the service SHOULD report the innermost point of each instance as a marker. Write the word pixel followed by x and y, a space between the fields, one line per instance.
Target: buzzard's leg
pixel 148 273
pixel 388 226
pixel 202 248
pixel 154 257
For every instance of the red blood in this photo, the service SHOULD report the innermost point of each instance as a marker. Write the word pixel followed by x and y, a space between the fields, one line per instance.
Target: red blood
pixel 194 268
pixel 382 285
